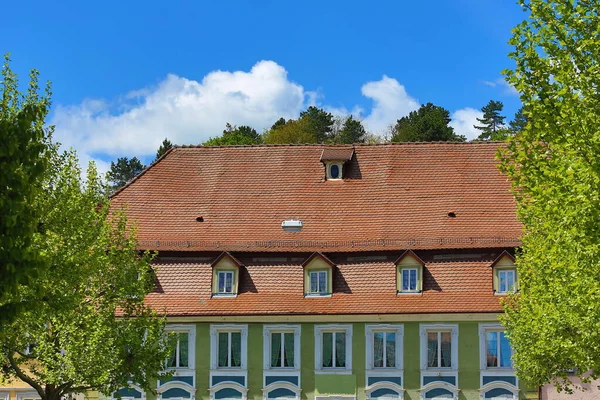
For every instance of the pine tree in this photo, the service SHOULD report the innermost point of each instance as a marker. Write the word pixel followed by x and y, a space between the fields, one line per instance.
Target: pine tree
pixel 166 145
pixel 492 120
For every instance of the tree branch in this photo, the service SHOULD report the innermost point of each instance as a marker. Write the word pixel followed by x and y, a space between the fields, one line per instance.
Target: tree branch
pixel 22 376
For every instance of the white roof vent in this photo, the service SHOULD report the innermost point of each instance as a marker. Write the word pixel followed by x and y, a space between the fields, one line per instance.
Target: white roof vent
pixel 291 225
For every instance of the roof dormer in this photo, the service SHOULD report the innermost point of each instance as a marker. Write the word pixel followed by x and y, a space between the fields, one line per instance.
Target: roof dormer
pixel 505 275
pixel 409 273
pixel 334 159
pixel 318 276
pixel 226 275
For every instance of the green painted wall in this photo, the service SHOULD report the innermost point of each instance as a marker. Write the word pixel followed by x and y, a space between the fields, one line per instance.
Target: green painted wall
pixel 255 361
pixel 335 384
pixel 468 360
pixel 307 361
pixel 412 368
pixel 202 361
pixel 359 359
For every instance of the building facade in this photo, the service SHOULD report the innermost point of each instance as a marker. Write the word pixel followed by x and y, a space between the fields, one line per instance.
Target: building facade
pixel 330 272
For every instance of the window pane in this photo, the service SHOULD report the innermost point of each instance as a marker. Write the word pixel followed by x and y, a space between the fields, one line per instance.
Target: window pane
pixel 172 361
pixel 378 349
pixel 432 349
pixel 221 279
pixel 323 282
pixel 413 279
pixel 502 276
pixel 288 339
pixel 390 349
pixel 275 349
pixel 446 350
pixel 491 344
pixel 510 280
pixel 505 351
pixel 334 170
pixel 183 350
pixel 405 280
pixel 314 282
pixel 340 349
pixel 236 349
pixel 229 282
pixel 327 349
pixel 223 349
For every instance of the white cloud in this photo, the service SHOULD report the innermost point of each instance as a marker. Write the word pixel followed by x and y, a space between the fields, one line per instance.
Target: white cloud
pixel 390 102
pixel 503 85
pixel 463 121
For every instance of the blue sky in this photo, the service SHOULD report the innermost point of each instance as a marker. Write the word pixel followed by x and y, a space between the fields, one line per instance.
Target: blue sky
pixel 127 74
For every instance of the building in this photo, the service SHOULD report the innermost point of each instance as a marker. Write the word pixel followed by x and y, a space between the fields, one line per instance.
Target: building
pixel 331 272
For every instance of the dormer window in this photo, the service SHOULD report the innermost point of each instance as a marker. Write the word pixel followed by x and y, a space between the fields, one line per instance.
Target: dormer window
pixel 409 273
pixel 334 159
pixel 318 274
pixel 226 276
pixel 505 275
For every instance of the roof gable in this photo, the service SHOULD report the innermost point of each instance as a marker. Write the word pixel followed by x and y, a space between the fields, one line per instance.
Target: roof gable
pixel 226 256
pixel 409 258
pixel 502 258
pixel 317 256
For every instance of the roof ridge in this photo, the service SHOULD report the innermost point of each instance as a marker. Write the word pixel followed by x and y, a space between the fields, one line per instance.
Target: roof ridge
pixel 474 142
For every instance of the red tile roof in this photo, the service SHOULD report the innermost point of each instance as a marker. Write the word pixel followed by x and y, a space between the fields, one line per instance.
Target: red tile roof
pixel 360 287
pixel 395 196
pixel 337 154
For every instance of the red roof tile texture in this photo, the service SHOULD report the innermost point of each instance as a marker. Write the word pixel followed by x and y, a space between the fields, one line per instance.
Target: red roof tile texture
pixel 369 287
pixel 394 196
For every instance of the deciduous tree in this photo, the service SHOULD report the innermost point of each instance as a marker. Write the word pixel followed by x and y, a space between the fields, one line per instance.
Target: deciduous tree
pixel 428 124
pixel 294 131
pixel 554 164
pixel 90 329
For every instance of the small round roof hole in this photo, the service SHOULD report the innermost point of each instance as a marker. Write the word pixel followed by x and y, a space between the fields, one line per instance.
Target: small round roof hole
pixel 200 219
pixel 452 214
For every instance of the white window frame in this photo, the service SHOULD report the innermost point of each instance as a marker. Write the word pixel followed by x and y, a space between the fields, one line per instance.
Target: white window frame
pixel 340 165
pixel 319 330
pixel 453 329
pixel 483 330
pixel 318 271
pixel 191 331
pixel 215 329
pixel 513 271
pixel 268 330
pixel 225 273
pixel 370 331
pixel 28 395
pixel 416 289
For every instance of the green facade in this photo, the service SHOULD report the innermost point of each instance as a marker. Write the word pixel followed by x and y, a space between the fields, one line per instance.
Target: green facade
pixel 345 384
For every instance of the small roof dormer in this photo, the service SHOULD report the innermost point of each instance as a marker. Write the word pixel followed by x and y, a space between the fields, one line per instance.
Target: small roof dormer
pixel 334 159
pixel 409 273
pixel 318 276
pixel 226 275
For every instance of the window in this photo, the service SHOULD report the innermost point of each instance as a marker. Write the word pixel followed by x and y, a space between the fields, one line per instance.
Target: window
pixel 384 346
pixel 334 171
pixel 228 346
pixel 182 350
pixel 318 282
pixel 439 346
pixel 333 347
pixel 179 352
pixel 282 346
pixel 494 347
pixel 225 282
pixel 409 279
pixel 506 280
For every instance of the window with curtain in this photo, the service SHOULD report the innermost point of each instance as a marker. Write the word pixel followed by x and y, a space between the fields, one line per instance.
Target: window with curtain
pixel 506 280
pixel 334 349
pixel 225 281
pixel 439 349
pixel 409 279
pixel 282 349
pixel 230 349
pixel 384 349
pixel 179 357
pixel 318 282
pixel 498 351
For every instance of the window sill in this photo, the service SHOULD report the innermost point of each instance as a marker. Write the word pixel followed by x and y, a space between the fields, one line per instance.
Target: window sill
pixel 385 371
pixel 498 369
pixel 283 370
pixel 317 295
pixel 405 293
pixel 440 370
pixel 336 371
pixel 224 295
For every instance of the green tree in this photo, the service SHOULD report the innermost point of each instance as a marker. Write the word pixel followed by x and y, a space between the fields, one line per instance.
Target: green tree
pixel 90 329
pixel 233 135
pixel 428 124
pixel 519 121
pixel 294 131
pixel 280 122
pixel 492 120
pixel 23 160
pixel 320 123
pixel 554 165
pixel 164 147
pixel 123 171
pixel 352 131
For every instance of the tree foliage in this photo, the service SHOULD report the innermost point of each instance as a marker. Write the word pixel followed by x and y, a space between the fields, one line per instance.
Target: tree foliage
pixel 164 147
pixel 233 135
pixel 319 123
pixel 519 121
pixel 123 171
pixel 89 329
pixel 554 165
pixel 428 124
pixel 352 131
pixel 23 160
pixel 492 120
pixel 293 131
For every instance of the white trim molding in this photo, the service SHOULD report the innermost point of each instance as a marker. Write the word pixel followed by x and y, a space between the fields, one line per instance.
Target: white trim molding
pixel 385 385
pixel 130 386
pixel 214 346
pixel 483 329
pixel 453 329
pixel 4 395
pixel 438 385
pixel 499 385
pixel 282 385
pixel 267 330
pixel 228 385
pixel 190 329
pixel 319 330
pixel 30 394
pixel 176 385
pixel 398 329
